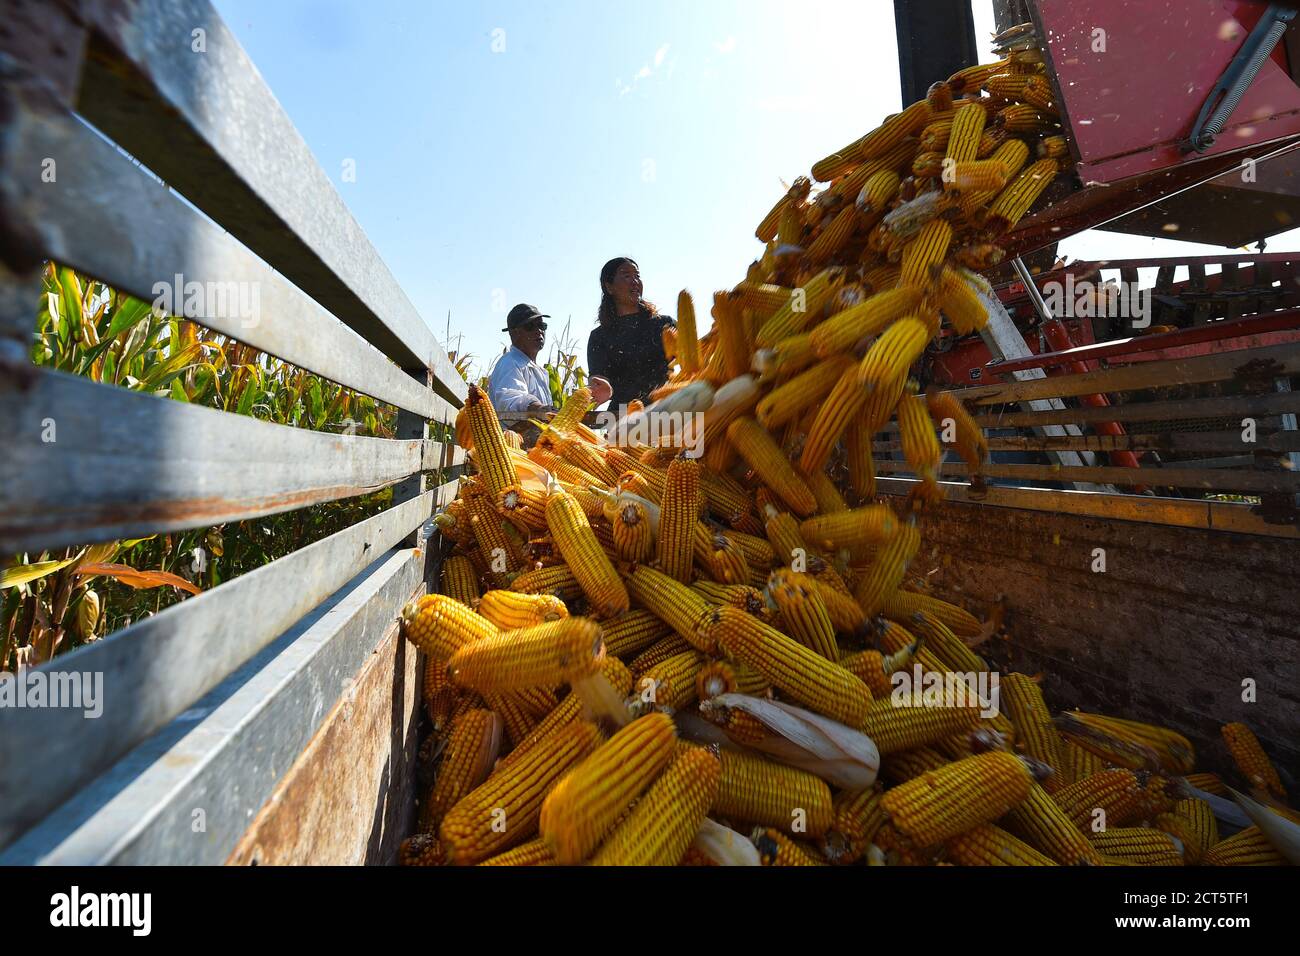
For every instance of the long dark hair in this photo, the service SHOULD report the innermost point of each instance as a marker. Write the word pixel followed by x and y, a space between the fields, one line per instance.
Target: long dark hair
pixel 608 310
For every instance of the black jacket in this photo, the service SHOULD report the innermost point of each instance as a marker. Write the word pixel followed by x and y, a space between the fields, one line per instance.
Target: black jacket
pixel 629 352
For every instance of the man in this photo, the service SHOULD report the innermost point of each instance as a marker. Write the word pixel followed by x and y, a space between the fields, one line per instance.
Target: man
pixel 518 383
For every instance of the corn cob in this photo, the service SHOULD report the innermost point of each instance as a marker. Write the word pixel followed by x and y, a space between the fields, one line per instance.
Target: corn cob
pixel 787 543
pixel 633 632
pixel 503 812
pixel 758 449
pixel 967 127
pixel 990 140
pixel 958 428
pixel 957 797
pixel 875 143
pixel 1128 743
pixel 984 177
pixel 1209 782
pixel 1117 793
pixel 560 469
pixel 471 750
pixel 1138 846
pixel 988 845
pixel 934 138
pixel 544 655
pixel 887 570
pixel 766 230
pixel 490 455
pixel 873 669
pixel 793 317
pixel 1248 848
pixel 1034 728
pixel 734 339
pixel 760 791
pixel 856 816
pixel 903 605
pixel 897 725
pixel 776 849
pixel 924 252
pixel 973 77
pixel 801 392
pixel 514 716
pixel 586 804
pixel 1185 832
pixel 723 559
pixel 892 354
pixel 453 522
pixel 532 853
pixel 577 404
pixel 1041 822
pixel 909 764
pixel 804 613
pixel 586 456
pixel 677 521
pixel 1252 763
pixel 862 466
pixel 671 682
pixel 804 676
pixel 494 542
pixel 459 580
pixel 877 192
pixel 719 677
pixel 511 610
pixel 584 556
pixel 633 537
pixel 556 579
pixel 1014 201
pixel 842 331
pixel 866 526
pixel 522 506
pixel 440 625
pixel 920 446
pixel 664 821
pixel 422 849
pixel 682 609
pixel 1053 147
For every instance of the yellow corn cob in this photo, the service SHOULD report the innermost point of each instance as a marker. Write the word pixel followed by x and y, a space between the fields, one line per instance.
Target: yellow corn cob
pixel 1209 782
pixel 514 441
pixel 920 446
pixel 877 192
pixel 901 767
pixel 943 644
pixel 857 815
pixel 801 674
pixel 748 599
pixel 586 456
pixel 1185 832
pixel 833 236
pixel 760 791
pixel 990 140
pixel 723 558
pixel 762 454
pixel 494 543
pixel 980 176
pixel 734 338
pixel 1128 743
pixel 503 812
pixel 1034 728
pixel 490 455
pixel 967 127
pixel 866 526
pixel 874 668
pixel 903 605
pixel 972 78
pixel 842 331
pixel 957 797
pixel 892 354
pixel 471 750
pixel 681 508
pixel 776 849
pixel 1023 118
pixel 801 392
pixel 1138 846
pixel 632 632
pixel 927 165
pixel 766 230
pixel 1041 822
pixel 440 625
pixel 459 580
pixel 668 338
pixel 584 555
pixel 1247 848
pixel 957 426
pixel 924 252
pixel 988 845
pixel 588 801
pixel 789 226
pixel 895 726
pixel 555 579
pixel 828 497
pixel 1077 763
pixel 633 535
pixel 422 849
pixel 671 682
pixel 793 317
pixel 1010 86
pixel 544 655
pixel 763 298
pixel 532 853
pixel 516 718
pixel 719 677
pixel 1014 201
pixel 657 652
pixel 804 613
pixel 887 570
pixel 453 523
pixel 664 821
pixel 523 506
pixel 511 610
pixel 544 454
pixel 875 143
pixel 934 138
pixel 862 466
pixel 688 346
pixel 682 609
pixel 1053 147
pixel 787 543
pixel 1252 763
pixel 577 404
pixel 1117 792
pixel 1038 93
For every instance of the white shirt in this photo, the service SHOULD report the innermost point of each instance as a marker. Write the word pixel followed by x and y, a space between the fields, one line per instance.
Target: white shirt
pixel 516 382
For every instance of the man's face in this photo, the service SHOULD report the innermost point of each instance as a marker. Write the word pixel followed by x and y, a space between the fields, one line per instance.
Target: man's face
pixel 530 337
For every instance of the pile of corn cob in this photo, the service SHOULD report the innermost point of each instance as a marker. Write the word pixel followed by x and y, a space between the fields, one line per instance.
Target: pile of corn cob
pixel 641 657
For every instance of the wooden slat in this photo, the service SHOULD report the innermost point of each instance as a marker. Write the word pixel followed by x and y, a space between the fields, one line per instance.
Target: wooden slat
pixel 211 128
pixel 1170 442
pixel 155 669
pixel 1182 410
pixel 230 750
pixel 125 464
pixel 1176 512
pixel 109 197
pixel 1255 482
pixel 1278 359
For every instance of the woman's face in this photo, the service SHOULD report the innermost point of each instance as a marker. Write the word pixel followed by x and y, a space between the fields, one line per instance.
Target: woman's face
pixel 626 286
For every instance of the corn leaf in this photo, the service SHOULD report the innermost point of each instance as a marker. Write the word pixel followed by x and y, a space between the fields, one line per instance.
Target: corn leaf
pixel 26 573
pixel 139 579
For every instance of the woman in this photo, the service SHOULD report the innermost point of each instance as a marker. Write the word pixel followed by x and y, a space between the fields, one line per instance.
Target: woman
pixel 625 354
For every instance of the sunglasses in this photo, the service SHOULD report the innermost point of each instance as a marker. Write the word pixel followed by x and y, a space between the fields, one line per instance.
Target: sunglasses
pixel 534 327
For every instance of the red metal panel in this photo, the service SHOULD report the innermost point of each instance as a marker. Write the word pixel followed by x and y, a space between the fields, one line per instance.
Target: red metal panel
pixel 1128 107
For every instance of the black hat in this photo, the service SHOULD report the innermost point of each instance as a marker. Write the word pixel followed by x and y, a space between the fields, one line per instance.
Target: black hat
pixel 521 315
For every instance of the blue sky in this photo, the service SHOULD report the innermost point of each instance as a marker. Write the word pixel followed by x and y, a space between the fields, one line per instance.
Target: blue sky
pixel 504 151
